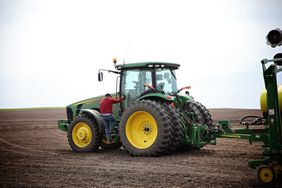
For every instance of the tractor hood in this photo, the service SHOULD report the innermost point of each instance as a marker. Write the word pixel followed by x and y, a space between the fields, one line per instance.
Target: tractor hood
pixel 92 103
pixel 92 100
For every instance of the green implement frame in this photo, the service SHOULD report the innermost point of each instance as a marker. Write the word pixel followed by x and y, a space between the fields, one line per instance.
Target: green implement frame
pixel 269 167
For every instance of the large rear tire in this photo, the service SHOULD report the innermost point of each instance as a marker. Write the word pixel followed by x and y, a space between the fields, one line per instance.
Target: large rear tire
pixel 192 109
pixel 204 113
pixel 84 134
pixel 145 129
pixel 192 116
pixel 176 127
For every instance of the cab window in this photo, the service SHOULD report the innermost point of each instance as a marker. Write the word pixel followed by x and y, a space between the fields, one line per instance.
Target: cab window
pixel 133 84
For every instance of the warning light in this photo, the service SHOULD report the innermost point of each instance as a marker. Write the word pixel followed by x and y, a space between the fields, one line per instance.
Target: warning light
pixel 115 60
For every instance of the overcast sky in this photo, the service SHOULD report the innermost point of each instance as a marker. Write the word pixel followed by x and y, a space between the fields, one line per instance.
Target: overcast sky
pixel 51 50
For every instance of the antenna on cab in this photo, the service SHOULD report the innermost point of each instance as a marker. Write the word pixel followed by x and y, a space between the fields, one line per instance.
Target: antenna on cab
pixel 126 52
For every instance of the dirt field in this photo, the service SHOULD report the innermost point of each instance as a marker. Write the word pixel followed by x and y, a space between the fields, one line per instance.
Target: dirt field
pixel 35 153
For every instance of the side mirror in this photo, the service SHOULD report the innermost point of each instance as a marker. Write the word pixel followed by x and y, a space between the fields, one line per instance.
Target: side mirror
pixel 100 76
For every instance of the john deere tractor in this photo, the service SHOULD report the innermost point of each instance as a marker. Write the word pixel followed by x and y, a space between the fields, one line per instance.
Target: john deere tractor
pixel 153 119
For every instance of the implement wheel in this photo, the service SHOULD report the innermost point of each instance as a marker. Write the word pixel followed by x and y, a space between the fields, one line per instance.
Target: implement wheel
pixel 277 168
pixel 265 175
pixel 84 134
pixel 145 129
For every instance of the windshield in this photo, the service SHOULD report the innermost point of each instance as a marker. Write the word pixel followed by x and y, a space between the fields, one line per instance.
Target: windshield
pixel 166 81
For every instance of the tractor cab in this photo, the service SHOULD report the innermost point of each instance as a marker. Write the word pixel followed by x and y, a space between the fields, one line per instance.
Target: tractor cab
pixel 140 79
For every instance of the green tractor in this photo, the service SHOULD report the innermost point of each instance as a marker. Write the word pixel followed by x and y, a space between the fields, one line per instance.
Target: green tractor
pixel 156 118
pixel 153 119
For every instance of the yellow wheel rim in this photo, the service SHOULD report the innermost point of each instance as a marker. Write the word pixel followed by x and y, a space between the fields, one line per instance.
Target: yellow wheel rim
pixel 265 175
pixel 141 129
pixel 81 134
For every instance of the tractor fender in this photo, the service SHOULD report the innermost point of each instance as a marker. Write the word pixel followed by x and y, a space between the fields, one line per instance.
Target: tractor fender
pixel 96 115
pixel 178 101
pixel 157 96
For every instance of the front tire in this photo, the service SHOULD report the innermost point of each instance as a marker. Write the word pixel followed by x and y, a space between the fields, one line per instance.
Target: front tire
pixel 84 134
pixel 145 129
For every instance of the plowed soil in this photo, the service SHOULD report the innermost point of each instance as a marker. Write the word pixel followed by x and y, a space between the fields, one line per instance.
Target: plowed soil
pixel 35 153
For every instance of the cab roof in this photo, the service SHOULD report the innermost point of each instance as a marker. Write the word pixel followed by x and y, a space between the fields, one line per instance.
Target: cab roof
pixel 147 65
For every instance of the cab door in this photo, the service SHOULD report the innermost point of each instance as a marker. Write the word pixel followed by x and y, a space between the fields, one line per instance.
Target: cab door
pixel 132 84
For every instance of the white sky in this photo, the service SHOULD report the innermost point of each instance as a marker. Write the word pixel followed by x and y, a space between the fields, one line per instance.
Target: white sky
pixel 51 50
